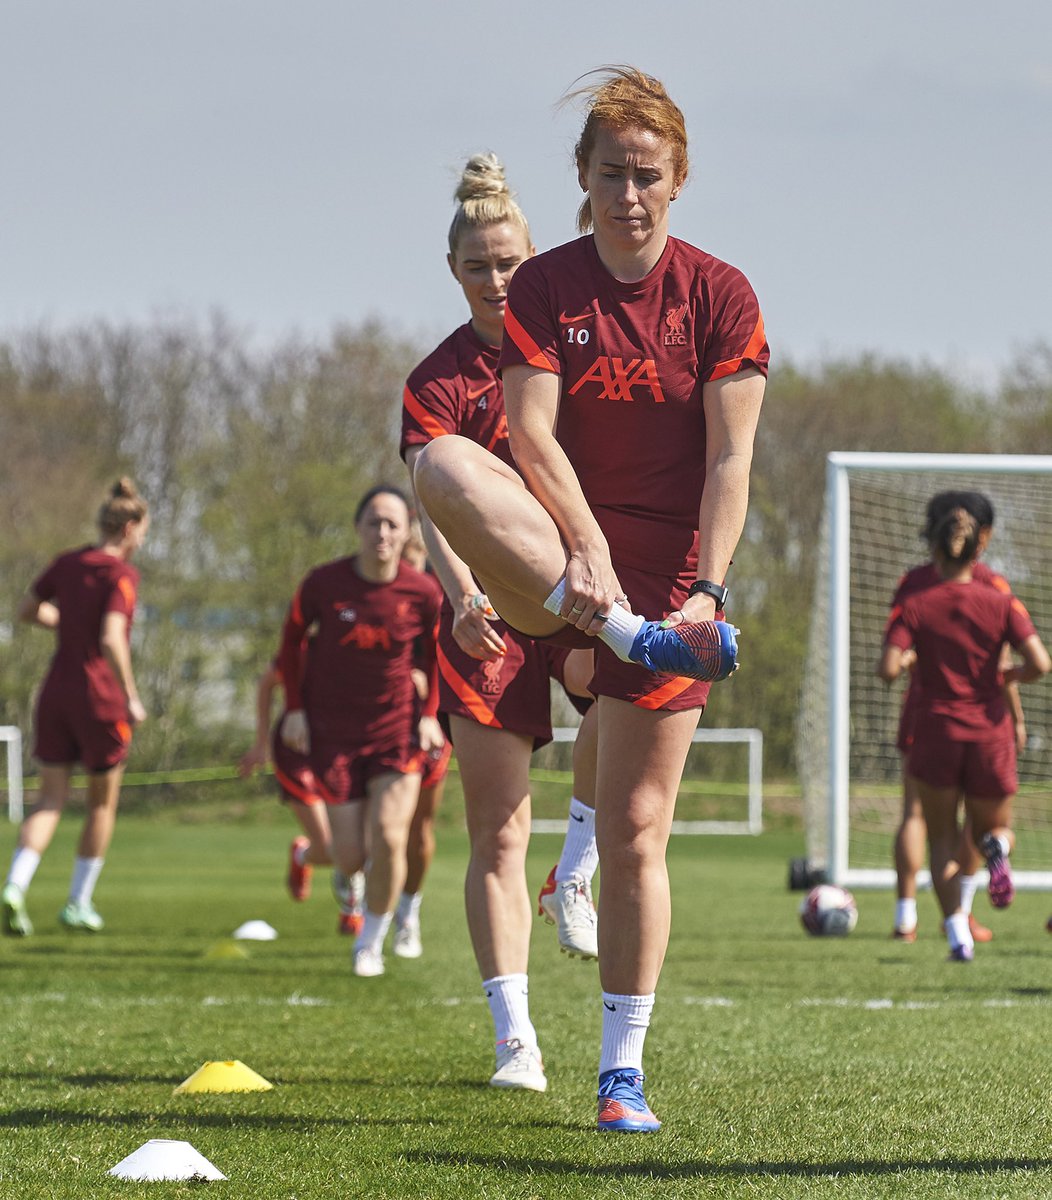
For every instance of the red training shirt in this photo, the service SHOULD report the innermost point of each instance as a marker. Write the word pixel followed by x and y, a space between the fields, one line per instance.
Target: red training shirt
pixel 634 358
pixel 958 630
pixel 86 584
pixel 456 389
pixel 355 682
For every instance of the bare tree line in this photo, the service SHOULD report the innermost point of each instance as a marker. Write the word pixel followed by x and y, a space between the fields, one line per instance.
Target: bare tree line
pixel 253 459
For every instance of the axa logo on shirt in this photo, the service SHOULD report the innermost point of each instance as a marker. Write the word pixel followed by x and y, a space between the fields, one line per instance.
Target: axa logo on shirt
pixel 367 637
pixel 617 379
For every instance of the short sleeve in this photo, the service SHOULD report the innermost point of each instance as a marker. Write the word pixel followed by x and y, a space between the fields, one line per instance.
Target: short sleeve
pixel 1020 626
pixel 898 632
pixel 737 338
pixel 429 410
pixel 45 586
pixel 531 330
pixel 123 595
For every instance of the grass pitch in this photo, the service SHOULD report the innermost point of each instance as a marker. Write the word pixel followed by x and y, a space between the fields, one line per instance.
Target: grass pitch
pixel 783 1066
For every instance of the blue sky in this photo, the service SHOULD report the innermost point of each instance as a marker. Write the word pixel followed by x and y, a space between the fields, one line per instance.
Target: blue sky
pixel 881 173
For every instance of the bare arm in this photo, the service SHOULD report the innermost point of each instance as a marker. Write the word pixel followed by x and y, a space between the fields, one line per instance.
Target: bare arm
pixel 473 632
pixel 34 611
pixel 257 755
pixel 1013 700
pixel 893 661
pixel 1036 662
pixel 114 643
pixel 732 410
pixel 531 401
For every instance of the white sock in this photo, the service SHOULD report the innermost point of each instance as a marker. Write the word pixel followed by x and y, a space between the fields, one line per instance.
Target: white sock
pixel 374 930
pixel 625 1023
pixel 957 931
pixel 509 1005
pixel 619 629
pixel 1002 841
pixel 24 863
pixel 408 907
pixel 299 854
pixel 580 855
pixel 85 876
pixel 906 915
pixel 969 884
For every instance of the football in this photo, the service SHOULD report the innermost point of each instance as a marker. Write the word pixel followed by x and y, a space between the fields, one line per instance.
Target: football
pixel 828 911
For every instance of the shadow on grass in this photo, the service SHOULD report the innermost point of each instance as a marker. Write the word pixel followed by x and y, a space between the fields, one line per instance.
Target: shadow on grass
pixel 659 1169
pixel 88 1079
pixel 28 1118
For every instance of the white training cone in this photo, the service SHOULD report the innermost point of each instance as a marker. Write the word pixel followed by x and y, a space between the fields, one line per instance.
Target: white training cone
pixel 256 931
pixel 160 1158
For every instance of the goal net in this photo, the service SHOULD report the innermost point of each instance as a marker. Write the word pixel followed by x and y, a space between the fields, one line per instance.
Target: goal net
pixel 850 771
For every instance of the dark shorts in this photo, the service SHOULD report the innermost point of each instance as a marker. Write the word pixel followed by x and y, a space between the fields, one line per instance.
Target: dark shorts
pixel 654 597
pixel 69 730
pixel 511 693
pixel 343 771
pixel 985 769
pixel 292 771
pixel 435 765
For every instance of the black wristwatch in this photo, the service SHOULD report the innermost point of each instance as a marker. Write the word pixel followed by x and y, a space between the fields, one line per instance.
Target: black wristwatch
pixel 708 588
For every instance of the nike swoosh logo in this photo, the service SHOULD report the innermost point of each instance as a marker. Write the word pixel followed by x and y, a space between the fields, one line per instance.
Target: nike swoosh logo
pixel 575 817
pixel 474 393
pixel 565 320
pixel 611 1007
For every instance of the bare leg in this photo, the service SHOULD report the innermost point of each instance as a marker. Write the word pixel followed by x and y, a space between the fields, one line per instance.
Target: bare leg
pixel 909 840
pixel 392 799
pixel 585 753
pixel 421 848
pixel 641 758
pixel 40 823
pixel 104 791
pixel 313 819
pixel 348 835
pixel 494 770
pixel 940 815
pixel 488 516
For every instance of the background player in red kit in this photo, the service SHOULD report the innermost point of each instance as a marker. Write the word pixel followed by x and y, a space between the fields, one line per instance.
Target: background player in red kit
pixel 963 740
pixel 297 788
pixel 88 705
pixel 634 368
pixel 494 682
pixel 911 835
pixel 351 702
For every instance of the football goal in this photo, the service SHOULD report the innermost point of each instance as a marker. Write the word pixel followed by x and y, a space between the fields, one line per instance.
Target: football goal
pixel 850 771
pixel 721 791
pixel 11 739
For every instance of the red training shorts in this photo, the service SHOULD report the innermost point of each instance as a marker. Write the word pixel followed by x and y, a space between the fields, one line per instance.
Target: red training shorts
pixel 985 770
pixel 511 693
pixel 343 771
pixel 654 597
pixel 435 765
pixel 70 729
pixel 292 770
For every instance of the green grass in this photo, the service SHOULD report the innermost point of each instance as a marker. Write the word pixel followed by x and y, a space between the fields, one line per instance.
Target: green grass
pixel 783 1066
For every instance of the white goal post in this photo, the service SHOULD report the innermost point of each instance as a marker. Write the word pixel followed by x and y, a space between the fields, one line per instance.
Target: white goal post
pixel 850 771
pixel 11 736
pixel 751 821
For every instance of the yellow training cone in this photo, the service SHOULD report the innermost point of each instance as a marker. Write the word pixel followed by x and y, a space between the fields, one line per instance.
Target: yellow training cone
pixel 227 948
pixel 224 1077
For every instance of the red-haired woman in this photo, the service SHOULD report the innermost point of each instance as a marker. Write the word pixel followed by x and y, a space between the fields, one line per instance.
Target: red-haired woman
pixel 634 368
pixel 88 705
pixel 494 688
pixel 963 735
